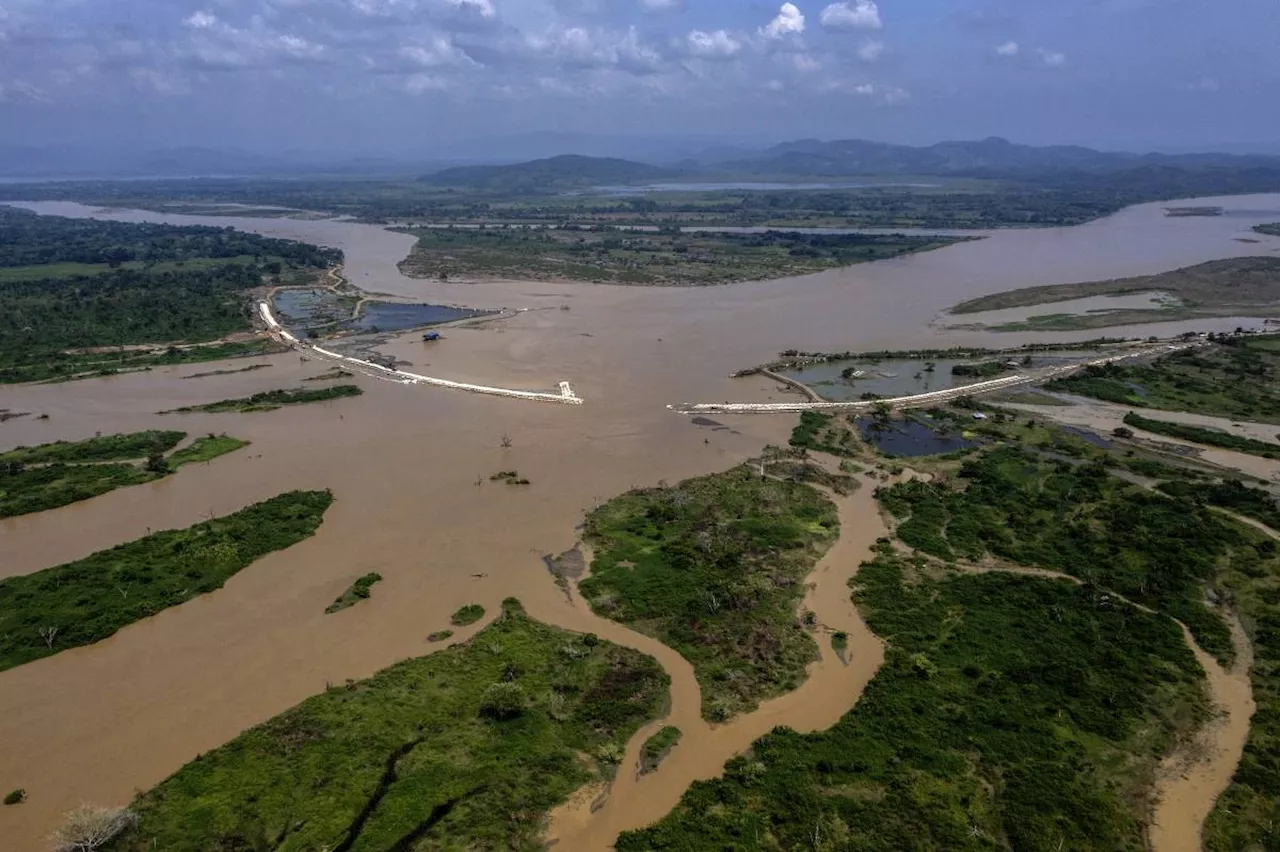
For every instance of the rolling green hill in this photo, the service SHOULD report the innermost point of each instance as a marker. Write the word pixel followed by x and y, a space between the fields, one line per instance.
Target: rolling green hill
pixel 568 171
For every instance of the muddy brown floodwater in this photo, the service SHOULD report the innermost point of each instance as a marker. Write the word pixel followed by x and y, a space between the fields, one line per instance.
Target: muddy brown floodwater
pixel 97 723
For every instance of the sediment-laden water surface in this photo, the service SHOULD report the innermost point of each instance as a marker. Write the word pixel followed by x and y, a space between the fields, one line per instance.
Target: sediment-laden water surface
pixel 410 467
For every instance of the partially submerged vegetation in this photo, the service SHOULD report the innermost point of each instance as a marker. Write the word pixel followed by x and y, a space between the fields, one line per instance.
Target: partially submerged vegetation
pixel 657 747
pixel 826 433
pixel 1271 229
pixel 204 449
pixel 35 479
pixel 1236 377
pixel 75 289
pixel 356 592
pixel 1011 712
pixel 1202 435
pixel 468 747
pixel 271 400
pixel 714 567
pixel 467 615
pixel 1242 286
pixel 88 600
pixel 606 255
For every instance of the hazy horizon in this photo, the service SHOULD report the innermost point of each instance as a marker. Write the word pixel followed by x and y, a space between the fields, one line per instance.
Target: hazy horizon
pixel 420 78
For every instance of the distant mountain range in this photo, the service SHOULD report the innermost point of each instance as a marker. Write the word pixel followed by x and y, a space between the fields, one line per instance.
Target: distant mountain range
pixel 566 171
pixel 805 158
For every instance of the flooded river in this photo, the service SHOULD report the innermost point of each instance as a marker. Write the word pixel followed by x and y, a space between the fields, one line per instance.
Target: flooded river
pixel 96 723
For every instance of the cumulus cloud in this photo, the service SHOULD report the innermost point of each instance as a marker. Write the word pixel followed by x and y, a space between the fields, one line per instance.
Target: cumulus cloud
pixel 805 63
pixel 1009 48
pixel 661 5
pixel 856 15
pixel 1204 84
pixel 201 20
pixel 1052 58
pixel 789 21
pixel 718 44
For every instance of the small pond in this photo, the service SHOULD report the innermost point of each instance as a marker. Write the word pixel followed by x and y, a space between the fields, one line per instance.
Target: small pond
pixel 911 438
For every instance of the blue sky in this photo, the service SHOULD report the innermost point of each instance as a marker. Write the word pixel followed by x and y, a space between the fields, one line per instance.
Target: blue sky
pixel 408 76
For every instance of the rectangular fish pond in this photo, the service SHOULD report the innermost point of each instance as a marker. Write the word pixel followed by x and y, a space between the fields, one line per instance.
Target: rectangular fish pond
pixel 301 310
pixel 851 380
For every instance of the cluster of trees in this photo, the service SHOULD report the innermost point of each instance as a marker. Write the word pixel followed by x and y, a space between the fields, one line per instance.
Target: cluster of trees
pixel 30 240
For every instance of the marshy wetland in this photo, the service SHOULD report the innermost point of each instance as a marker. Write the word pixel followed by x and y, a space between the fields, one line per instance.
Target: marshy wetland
pixel 409 467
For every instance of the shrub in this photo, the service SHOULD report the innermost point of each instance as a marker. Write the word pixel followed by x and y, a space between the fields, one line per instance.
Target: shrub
pixel 503 700
pixel 17 797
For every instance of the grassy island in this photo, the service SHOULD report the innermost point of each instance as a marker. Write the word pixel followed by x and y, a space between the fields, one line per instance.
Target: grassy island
pixel 469 747
pixel 88 600
pixel 714 567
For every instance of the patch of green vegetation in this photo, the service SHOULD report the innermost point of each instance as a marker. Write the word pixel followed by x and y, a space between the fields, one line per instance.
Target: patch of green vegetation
pixel 606 255
pixel 825 433
pixel 35 479
pixel 1233 495
pixel 356 592
pixel 1077 519
pixel 469 747
pixel 510 477
pixel 70 365
pixel 469 614
pixel 204 449
pixel 135 445
pixel 248 369
pixel 88 600
pixel 1011 713
pixel 439 635
pixel 24 490
pixel 840 642
pixel 983 370
pixel 271 400
pixel 798 470
pixel 15 797
pixel 714 568
pixel 335 373
pixel 1246 816
pixel 655 748
pixel 1202 435
pixel 1236 377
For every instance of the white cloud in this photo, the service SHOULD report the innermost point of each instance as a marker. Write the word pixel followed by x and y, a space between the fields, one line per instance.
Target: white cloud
pixel 805 63
pixel 790 21
pixel 1052 58
pixel 661 5
pixel 711 45
pixel 201 20
pixel 858 15
pixel 1009 48
pixel 871 50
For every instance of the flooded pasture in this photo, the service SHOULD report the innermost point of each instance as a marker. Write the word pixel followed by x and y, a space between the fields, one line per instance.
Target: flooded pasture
pixel 99 722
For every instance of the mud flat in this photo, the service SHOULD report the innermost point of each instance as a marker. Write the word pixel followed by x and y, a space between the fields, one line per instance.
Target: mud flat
pixel 96 723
